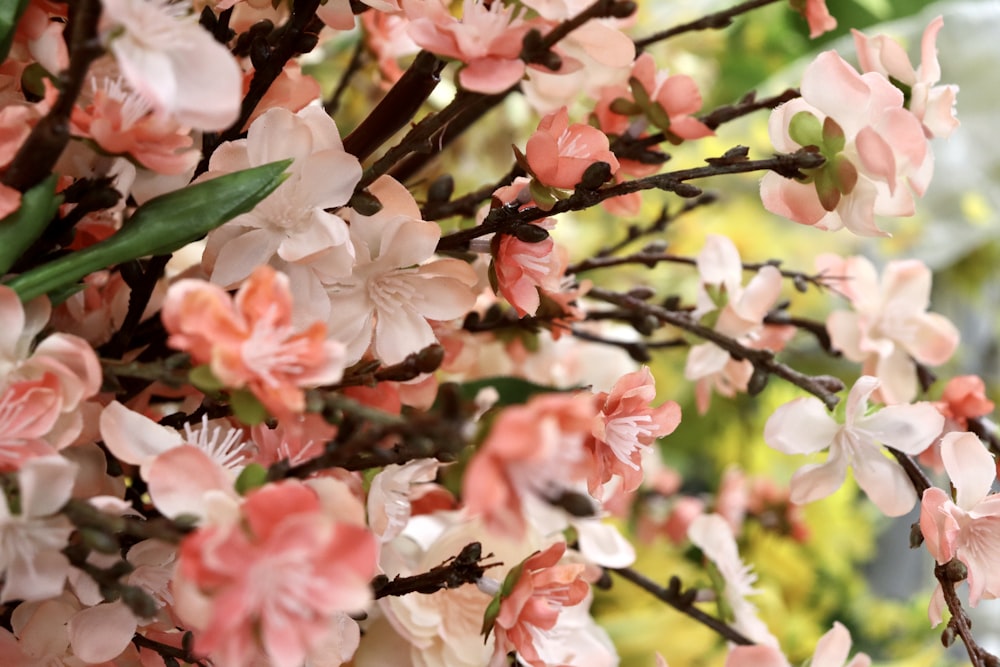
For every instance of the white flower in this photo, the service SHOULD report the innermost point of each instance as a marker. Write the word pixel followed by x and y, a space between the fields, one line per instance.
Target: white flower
pixel 172 62
pixel 804 426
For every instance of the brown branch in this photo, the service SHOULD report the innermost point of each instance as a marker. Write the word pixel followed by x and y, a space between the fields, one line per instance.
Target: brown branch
pixel 715 21
pixel 824 387
pixel 464 568
pixel 683 601
pixel 353 66
pixel 467 204
pixel 506 219
pixel 40 151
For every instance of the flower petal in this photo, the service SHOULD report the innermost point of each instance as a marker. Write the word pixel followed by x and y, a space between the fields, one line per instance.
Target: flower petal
pixel 970 466
pixel 802 426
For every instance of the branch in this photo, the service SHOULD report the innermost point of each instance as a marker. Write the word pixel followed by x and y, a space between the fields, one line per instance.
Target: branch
pixel 467 204
pixel 506 219
pixel 824 387
pixel 357 56
pixel 683 601
pixel 40 151
pixel 465 568
pixel 716 21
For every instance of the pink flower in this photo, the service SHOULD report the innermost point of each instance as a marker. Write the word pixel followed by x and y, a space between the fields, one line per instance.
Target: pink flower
pixel 964 397
pixel 625 426
pixel 534 595
pixel 249 341
pixel 804 426
pixel 741 312
pixel 274 580
pixel 172 62
pixel 524 269
pixel 675 98
pixel 395 286
pixel 487 39
pixel 817 15
pixel 292 226
pixel 559 153
pixel 832 650
pixel 968 528
pixel 933 105
pixel 28 411
pixel 890 327
pixel 877 157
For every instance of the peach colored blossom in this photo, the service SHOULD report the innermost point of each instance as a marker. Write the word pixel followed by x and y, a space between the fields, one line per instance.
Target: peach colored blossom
pixel 292 91
pixel 963 397
pixel 121 122
pixel 676 96
pixel 832 650
pixel 877 157
pixel 387 38
pixel 541 590
pixel 250 341
pixel 889 327
pixel 559 153
pixel 273 581
pixel 933 105
pixel 534 452
pixel 524 269
pixel 816 14
pixel 626 425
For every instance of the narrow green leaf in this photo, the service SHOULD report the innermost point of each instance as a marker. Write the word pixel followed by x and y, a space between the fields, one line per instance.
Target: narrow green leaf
pixel 160 226
pixel 20 229
pixel 10 14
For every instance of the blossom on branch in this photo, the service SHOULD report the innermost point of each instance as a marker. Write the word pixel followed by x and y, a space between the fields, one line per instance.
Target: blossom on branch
pixel 967 528
pixel 890 327
pixel 250 341
pixel 934 105
pixel 803 426
pixel 559 153
pixel 877 157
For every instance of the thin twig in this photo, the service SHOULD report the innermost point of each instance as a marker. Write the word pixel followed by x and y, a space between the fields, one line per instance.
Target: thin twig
pixel 715 21
pixel 353 65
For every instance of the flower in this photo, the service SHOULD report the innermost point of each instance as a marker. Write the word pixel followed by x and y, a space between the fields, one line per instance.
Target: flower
pixel 670 100
pixel 28 411
pixel 711 534
pixel 933 105
pixel 292 224
pixel 530 603
pixel 32 564
pixel 741 313
pixel 626 425
pixel 250 341
pixel 487 39
pixel 817 15
pixel 963 397
pixel 393 289
pixel 172 62
pixel 803 426
pixel 558 153
pixel 832 650
pixel 274 580
pixel 890 327
pixel 877 157
pixel 968 528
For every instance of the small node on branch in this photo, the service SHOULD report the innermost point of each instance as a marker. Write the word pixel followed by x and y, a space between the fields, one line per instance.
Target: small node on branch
pixel 685 190
pixel 948 636
pixel 441 190
pixel 758 381
pixel 531 233
pixel 365 203
pixel 954 570
pixel 642 293
pixel 916 535
pixel 595 176
pixel 732 156
pixel 623 9
pixel 638 352
pixel 576 504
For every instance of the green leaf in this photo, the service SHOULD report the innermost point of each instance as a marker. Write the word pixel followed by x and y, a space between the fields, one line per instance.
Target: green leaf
pixel 10 14
pixel 20 229
pixel 204 379
pixel 159 227
pixel 252 477
pixel 805 129
pixel 247 408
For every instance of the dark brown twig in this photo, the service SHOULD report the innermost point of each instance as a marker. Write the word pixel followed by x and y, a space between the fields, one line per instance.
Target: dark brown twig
pixel 715 21
pixel 465 568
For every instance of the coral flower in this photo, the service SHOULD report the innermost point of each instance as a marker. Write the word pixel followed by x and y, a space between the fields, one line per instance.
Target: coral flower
pixel 625 426
pixel 273 581
pixel 249 341
pixel 559 153
pixel 540 590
